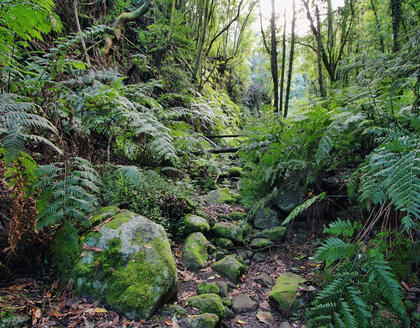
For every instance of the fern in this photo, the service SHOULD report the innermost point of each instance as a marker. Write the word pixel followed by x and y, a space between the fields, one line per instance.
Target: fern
pixel 69 192
pixel 18 118
pixel 333 249
pixel 340 228
pixel 302 208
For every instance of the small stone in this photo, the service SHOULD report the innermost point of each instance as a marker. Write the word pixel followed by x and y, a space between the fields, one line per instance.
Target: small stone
pixel 205 320
pixel 243 303
pixel 208 303
pixel 230 267
pixel 266 218
pixel 220 196
pixel 223 288
pixel 207 287
pixel 195 223
pixel 265 280
pixel 273 234
pixel 229 230
pixel 223 242
pixel 177 309
pixel 264 317
pixel 235 171
pixel 230 314
pixel 195 251
pixel 220 253
pixel 258 243
pixel 285 324
pixel 259 257
pixel 245 254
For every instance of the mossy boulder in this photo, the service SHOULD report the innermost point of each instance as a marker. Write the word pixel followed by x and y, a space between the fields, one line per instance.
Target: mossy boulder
pixel 284 292
pixel 266 218
pixel 236 215
pixel 194 253
pixel 207 287
pixel 287 199
pixel 235 171
pixel 258 243
pixel 208 303
pixel 103 214
pixel 205 320
pixel 128 265
pixel 195 223
pixel 223 242
pixel 220 196
pixel 230 267
pixel 230 231
pixel 273 234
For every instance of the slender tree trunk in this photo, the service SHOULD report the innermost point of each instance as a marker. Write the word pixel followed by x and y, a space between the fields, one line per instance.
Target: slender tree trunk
pixel 395 7
pixel 378 26
pixel 283 63
pixel 273 57
pixel 291 56
pixel 318 49
pixel 202 40
pixel 79 30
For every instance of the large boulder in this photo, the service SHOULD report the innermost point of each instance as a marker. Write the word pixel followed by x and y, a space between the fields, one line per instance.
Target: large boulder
pixel 266 218
pixel 230 231
pixel 284 292
pixel 128 265
pixel 287 199
pixel 194 253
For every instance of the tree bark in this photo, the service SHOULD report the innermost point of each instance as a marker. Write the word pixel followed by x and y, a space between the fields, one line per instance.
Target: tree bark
pixel 283 64
pixel 395 7
pixel 202 40
pixel 378 26
pixel 273 57
pixel 319 50
pixel 79 30
pixel 291 56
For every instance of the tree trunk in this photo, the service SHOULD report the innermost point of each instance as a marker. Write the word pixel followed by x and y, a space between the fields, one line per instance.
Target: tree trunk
pixel 273 57
pixel 283 64
pixel 202 40
pixel 291 56
pixel 378 26
pixel 395 7
pixel 79 30
pixel 318 49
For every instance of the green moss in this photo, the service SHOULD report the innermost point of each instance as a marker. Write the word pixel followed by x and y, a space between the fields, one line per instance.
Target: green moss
pixel 208 303
pixel 235 171
pixel 230 267
pixel 205 288
pixel 274 234
pixel 260 243
pixel 195 223
pixel 119 219
pixel 195 251
pixel 229 230
pixel 236 216
pixel 205 320
pixel 284 291
pixel 223 242
pixel 220 196
pixel 103 214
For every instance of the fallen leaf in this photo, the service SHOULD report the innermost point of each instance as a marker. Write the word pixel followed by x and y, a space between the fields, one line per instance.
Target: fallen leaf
pixel 36 314
pixel 100 310
pixel 241 322
pixel 92 248
pixel 168 323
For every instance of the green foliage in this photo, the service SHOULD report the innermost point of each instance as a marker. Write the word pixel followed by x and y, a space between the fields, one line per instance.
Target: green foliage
pixel 357 271
pixel 68 192
pixel 302 208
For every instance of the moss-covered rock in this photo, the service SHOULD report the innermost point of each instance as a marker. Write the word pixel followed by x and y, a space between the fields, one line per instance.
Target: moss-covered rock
pixel 195 251
pixel 258 243
pixel 236 216
pixel 103 214
pixel 266 218
pixel 235 171
pixel 229 230
pixel 208 303
pixel 207 287
pixel 223 242
pixel 230 267
pixel 220 196
pixel 205 320
pixel 246 227
pixel 195 223
pixel 287 199
pixel 128 264
pixel 274 234
pixel 284 291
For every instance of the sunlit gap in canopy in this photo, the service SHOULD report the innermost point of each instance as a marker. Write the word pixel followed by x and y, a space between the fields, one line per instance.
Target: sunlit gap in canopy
pixel 302 25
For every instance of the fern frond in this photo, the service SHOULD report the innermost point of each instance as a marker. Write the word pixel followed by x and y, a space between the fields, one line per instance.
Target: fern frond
pixel 340 228
pixel 333 249
pixel 302 207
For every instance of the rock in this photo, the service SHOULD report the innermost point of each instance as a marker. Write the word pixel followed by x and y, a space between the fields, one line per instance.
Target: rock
pixel 229 230
pixel 223 288
pixel 236 216
pixel 103 214
pixel 266 218
pixel 274 234
pixel 230 267
pixel 177 309
pixel 229 314
pixel 207 287
pixel 288 199
pixel 258 243
pixel 235 171
pixel 265 280
pixel 285 324
pixel 264 317
pixel 211 249
pixel 13 321
pixel 243 303
pixel 220 253
pixel 246 254
pixel 227 302
pixel 220 196
pixel 246 227
pixel 194 253
pixel 259 257
pixel 195 223
pixel 205 320
pixel 284 291
pixel 127 264
pixel 223 242
pixel 208 303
